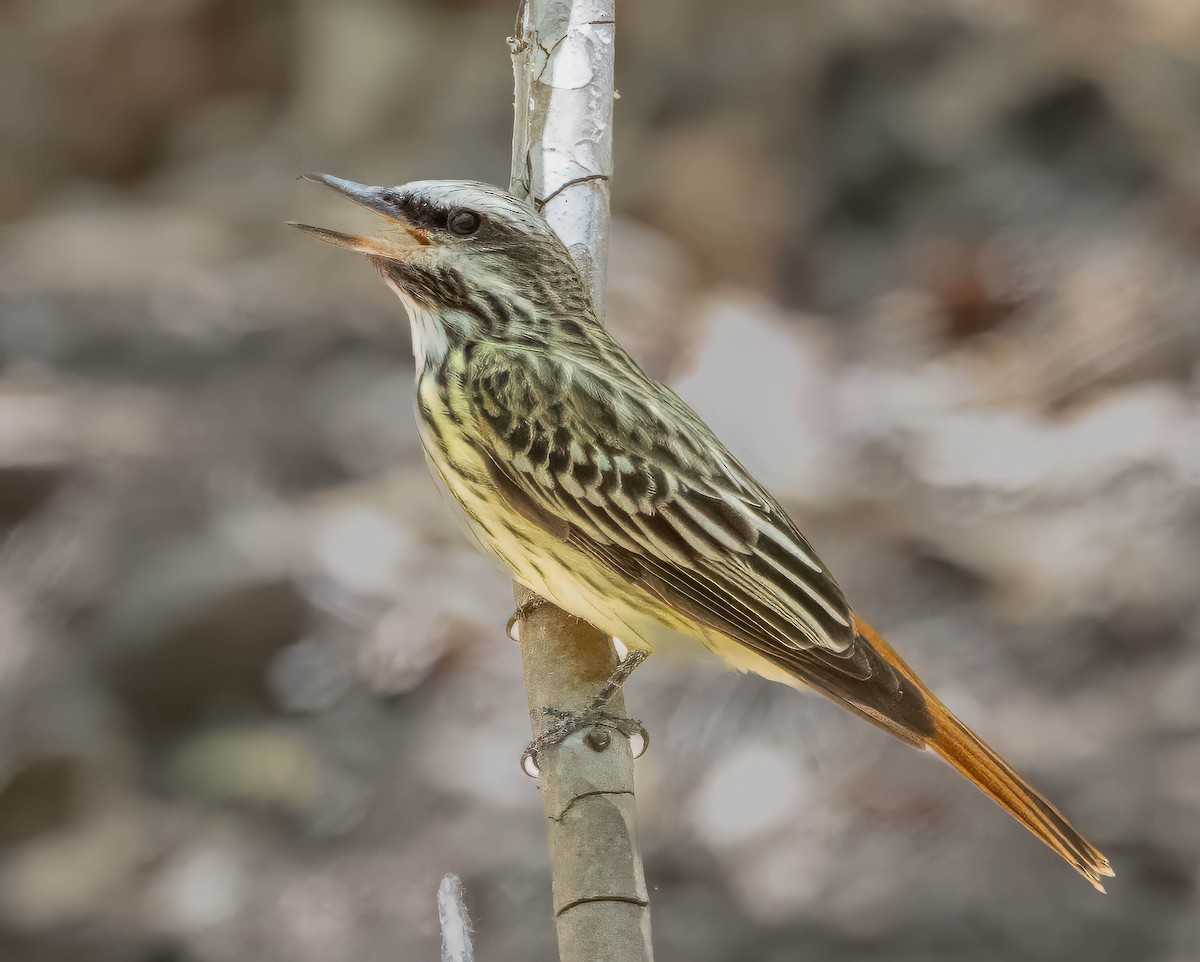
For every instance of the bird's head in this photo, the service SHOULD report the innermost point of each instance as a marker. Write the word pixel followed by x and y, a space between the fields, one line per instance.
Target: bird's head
pixel 477 259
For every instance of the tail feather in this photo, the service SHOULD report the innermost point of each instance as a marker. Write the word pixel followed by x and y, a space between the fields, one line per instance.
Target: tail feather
pixel 973 758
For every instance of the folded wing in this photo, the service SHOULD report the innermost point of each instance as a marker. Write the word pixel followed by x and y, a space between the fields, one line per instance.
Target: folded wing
pixel 635 480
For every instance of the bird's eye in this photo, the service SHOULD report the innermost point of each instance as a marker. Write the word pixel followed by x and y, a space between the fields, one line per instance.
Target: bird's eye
pixel 463 222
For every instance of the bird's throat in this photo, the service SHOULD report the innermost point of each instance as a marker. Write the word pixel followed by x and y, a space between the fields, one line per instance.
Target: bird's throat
pixel 430 333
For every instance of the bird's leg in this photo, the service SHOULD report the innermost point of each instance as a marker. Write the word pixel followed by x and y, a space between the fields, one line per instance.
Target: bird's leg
pixel 570 722
pixel 618 678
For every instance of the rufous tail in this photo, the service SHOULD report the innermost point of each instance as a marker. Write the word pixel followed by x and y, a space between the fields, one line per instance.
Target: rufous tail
pixel 968 753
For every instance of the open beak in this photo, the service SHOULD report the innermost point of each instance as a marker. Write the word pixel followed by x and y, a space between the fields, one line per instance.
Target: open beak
pixel 392 242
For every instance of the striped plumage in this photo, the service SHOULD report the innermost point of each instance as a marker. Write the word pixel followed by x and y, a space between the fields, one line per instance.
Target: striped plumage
pixel 601 490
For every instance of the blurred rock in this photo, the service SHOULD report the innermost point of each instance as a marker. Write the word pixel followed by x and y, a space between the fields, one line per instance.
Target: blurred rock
pixel 929 269
pixel 109 87
pixel 75 876
pixel 191 632
pixel 201 889
pixel 652 294
pixel 748 796
pixel 311 675
pixel 24 490
pixel 790 399
pixel 273 769
pixel 43 794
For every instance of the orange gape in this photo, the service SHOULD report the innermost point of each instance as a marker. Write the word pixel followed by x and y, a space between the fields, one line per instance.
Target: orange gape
pixel 972 756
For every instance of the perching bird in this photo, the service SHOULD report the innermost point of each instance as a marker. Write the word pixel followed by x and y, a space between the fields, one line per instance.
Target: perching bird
pixel 602 491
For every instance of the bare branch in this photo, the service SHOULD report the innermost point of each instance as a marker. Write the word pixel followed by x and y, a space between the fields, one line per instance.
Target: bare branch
pixel 562 135
pixel 456 924
pixel 562 160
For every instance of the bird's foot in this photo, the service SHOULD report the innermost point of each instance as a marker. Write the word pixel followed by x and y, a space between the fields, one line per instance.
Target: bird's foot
pixel 598 739
pixel 526 608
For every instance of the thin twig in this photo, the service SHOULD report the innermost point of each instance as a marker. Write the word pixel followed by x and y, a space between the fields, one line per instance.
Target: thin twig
pixel 456 924
pixel 562 151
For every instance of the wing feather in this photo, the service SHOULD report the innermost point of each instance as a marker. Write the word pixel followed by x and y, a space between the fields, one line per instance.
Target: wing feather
pixel 640 485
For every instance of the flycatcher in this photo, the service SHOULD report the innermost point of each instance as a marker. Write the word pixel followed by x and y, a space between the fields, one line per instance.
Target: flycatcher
pixel 599 489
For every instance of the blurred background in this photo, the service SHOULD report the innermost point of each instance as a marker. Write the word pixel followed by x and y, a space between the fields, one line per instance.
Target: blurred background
pixel 255 694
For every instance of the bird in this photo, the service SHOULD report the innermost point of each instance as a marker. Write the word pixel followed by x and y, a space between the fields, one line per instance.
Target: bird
pixel 598 488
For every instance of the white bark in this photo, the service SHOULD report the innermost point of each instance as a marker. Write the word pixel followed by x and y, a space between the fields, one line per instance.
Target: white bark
pixel 562 160
pixel 456 924
pixel 562 135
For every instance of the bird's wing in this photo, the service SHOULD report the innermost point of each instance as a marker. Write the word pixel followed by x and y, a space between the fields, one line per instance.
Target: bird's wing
pixel 628 474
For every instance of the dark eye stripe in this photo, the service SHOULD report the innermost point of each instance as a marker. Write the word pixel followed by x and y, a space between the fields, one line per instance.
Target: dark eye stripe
pixel 421 213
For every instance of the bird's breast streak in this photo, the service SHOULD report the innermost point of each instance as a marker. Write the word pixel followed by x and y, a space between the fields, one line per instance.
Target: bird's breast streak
pixel 523 549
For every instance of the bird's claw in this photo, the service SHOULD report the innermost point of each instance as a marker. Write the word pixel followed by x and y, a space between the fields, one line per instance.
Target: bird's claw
pixel 569 723
pixel 526 608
